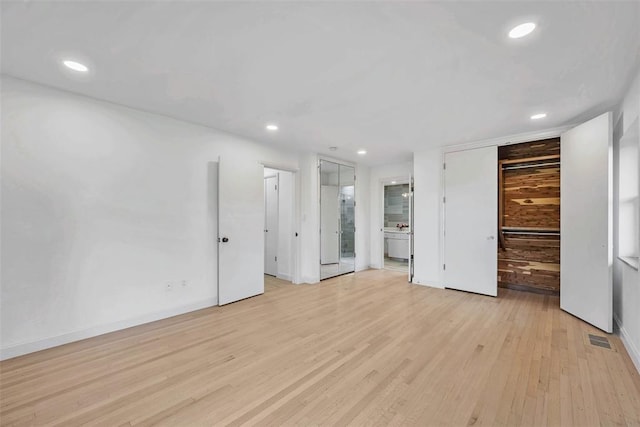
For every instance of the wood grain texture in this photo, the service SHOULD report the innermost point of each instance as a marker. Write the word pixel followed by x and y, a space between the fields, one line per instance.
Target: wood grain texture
pixel 530 260
pixel 532 197
pixel 541 148
pixel 363 349
pixel 530 200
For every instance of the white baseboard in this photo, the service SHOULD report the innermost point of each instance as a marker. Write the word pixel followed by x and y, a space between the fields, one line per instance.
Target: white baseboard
pixel 286 277
pixel 628 343
pixel 30 347
pixel 428 283
pixel 309 280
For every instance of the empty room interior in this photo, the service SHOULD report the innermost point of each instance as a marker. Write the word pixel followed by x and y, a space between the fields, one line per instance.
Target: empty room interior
pixel 320 213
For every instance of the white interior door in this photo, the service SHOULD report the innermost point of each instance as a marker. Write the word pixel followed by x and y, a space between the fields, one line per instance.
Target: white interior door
pixel 411 243
pixel 271 225
pixel 586 222
pixel 471 218
pixel 329 225
pixel 240 230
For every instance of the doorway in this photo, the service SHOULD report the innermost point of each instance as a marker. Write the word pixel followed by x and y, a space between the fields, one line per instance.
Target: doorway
pixel 278 220
pixel 397 227
pixel 337 219
pixel 529 216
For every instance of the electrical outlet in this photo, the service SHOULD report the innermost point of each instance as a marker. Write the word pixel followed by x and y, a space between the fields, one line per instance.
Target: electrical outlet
pixel 183 283
pixel 168 287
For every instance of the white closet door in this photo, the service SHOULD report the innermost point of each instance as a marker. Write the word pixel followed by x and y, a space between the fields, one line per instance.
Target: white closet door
pixel 271 225
pixel 471 218
pixel 240 230
pixel 586 222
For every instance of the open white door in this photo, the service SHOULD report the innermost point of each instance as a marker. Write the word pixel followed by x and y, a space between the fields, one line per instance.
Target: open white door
pixel 271 225
pixel 586 289
pixel 240 230
pixel 471 218
pixel 411 234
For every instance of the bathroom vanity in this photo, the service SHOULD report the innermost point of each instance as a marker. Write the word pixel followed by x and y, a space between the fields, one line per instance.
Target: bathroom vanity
pixel 397 242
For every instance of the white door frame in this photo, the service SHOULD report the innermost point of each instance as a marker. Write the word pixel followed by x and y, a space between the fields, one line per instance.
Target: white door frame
pixel 383 182
pixel 277 214
pixel 294 232
pixel 355 208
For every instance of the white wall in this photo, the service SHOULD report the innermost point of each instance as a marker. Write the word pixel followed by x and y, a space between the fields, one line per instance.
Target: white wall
pixel 362 218
pixel 103 207
pixel 626 280
pixel 378 174
pixel 309 238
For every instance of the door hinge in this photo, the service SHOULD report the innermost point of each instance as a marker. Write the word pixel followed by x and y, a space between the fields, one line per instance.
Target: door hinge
pixel 444 166
pixel 444 266
pixel 276 258
pixel 276 187
pixel 444 200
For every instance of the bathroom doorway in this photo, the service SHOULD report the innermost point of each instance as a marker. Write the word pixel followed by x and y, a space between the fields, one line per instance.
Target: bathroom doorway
pixel 397 225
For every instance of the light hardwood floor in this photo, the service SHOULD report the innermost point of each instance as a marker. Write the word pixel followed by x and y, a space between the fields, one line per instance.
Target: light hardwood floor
pixel 356 350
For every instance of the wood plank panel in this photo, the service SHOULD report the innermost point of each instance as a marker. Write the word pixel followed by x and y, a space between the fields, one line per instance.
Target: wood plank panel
pixel 532 197
pixel 530 202
pixel 363 349
pixel 530 261
pixel 543 147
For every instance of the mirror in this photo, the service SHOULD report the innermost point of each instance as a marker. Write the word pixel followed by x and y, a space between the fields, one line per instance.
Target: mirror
pixel 337 219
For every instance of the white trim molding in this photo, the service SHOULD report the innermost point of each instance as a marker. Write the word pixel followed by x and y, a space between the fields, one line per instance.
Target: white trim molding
pixel 509 139
pixel 30 347
pixel 633 351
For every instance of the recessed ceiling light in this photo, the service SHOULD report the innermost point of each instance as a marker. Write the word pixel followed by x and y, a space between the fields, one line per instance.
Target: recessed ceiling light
pixel 272 127
pixel 393 182
pixel 362 152
pixel 522 30
pixel 75 66
pixel 538 116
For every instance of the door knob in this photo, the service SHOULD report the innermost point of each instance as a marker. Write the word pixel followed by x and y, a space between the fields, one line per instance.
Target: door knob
pixel 225 239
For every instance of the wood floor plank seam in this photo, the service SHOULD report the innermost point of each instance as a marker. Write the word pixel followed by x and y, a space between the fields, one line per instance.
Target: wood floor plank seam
pixel 360 349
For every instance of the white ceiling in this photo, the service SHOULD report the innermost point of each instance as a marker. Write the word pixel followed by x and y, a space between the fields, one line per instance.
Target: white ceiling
pixel 390 77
